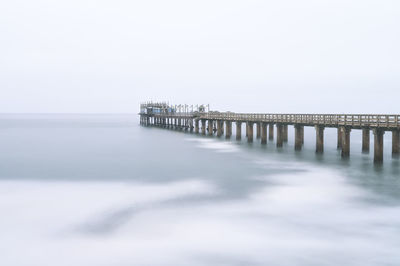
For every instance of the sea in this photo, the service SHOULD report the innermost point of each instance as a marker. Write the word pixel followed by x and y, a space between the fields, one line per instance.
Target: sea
pixel 102 190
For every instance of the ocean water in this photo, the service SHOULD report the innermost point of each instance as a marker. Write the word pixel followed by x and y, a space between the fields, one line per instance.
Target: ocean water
pixel 102 190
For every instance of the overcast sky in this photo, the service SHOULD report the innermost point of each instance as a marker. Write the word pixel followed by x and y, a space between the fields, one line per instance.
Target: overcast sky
pixel 314 56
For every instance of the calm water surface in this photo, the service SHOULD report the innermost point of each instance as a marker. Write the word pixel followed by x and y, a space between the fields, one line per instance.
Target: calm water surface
pixel 101 190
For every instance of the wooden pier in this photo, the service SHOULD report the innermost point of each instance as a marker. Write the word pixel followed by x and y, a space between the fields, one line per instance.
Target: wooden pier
pixel 202 121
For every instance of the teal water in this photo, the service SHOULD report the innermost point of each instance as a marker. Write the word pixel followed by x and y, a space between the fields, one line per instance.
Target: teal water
pixel 102 190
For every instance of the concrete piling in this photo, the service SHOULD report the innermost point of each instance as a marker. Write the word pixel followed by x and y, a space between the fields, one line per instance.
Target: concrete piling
pixel 210 127
pixel 285 133
pixel 345 142
pixel 365 139
pixel 395 142
pixel 319 139
pixel 339 138
pixel 298 137
pixel 378 145
pixel 220 125
pixel 203 126
pixel 196 126
pixel 238 130
pixel 263 133
pixel 271 132
pixel 279 135
pixel 228 129
pixel 250 132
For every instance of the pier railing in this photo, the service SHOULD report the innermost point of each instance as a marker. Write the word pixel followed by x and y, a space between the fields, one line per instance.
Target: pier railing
pixel 334 120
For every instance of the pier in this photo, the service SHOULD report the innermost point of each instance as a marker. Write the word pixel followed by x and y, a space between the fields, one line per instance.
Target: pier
pixel 200 120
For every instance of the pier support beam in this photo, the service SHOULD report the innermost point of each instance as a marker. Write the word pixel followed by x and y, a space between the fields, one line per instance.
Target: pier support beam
pixel 279 135
pixel 285 133
pixel 378 145
pixel 258 130
pixel 396 142
pixel 271 132
pixel 220 125
pixel 203 127
pixel 319 139
pixel 210 127
pixel 250 131
pixel 298 137
pixel 263 133
pixel 238 130
pixel 345 141
pixel 228 125
pixel 365 140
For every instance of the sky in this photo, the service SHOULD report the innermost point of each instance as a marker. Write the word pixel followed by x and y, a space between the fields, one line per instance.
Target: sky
pixel 286 56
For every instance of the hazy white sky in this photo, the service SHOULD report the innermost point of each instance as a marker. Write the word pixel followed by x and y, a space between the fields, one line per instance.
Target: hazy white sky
pixel 257 56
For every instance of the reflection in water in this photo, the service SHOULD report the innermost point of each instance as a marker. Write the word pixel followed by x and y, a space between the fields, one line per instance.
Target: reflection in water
pixel 113 193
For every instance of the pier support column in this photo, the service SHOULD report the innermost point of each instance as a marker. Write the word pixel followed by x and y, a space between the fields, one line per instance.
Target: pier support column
pixel 279 135
pixel 320 139
pixel 250 131
pixel 378 145
pixel 258 130
pixel 228 125
pixel 203 127
pixel 339 138
pixel 210 127
pixel 395 142
pixel 220 125
pixel 271 132
pixel 285 133
pixel 298 137
pixel 365 140
pixel 191 127
pixel 263 133
pixel 345 141
pixel 238 130
pixel 196 126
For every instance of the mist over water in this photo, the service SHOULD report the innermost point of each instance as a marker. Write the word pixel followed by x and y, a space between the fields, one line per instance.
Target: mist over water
pixel 101 190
